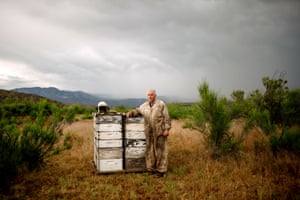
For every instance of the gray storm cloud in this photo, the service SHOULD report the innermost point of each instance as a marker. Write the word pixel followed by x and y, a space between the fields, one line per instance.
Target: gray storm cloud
pixel 130 46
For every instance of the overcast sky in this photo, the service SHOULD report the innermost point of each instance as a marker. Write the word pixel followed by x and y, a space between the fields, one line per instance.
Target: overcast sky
pixel 124 47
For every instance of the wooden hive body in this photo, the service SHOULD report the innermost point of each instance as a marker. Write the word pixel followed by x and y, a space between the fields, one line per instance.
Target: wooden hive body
pixel 135 144
pixel 108 142
pixel 119 143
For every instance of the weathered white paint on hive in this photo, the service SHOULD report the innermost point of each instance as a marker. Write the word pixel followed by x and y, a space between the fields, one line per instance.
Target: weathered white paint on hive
pixel 108 135
pixel 108 127
pixel 109 153
pixel 135 143
pixel 135 135
pixel 116 119
pixel 107 165
pixel 135 152
pixel 135 127
pixel 108 143
pixel 136 120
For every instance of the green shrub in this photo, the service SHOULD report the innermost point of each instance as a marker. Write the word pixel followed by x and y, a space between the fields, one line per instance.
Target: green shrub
pixel 36 143
pixel 68 143
pixel 213 120
pixel 120 108
pixel 292 108
pixel 70 115
pixel 87 116
pixel 10 157
pixel 239 107
pixel 37 140
pixel 27 136
pixel 277 109
pixel 275 98
pixel 261 119
pixel 230 145
pixel 180 110
pixel 290 140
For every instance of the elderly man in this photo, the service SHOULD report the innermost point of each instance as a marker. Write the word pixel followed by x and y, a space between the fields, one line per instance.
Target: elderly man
pixel 157 126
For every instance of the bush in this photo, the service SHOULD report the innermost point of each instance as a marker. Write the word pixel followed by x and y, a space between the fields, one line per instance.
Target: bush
pixel 120 108
pixel 239 107
pixel 87 116
pixel 36 142
pixel 275 109
pixel 290 140
pixel 261 119
pixel 275 98
pixel 292 108
pixel 10 153
pixel 180 110
pixel 26 141
pixel 70 114
pixel 68 143
pixel 214 121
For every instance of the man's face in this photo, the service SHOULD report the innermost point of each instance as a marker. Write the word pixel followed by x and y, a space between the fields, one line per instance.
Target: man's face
pixel 151 96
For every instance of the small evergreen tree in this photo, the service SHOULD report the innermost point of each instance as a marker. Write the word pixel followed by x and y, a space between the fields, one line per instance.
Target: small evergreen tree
pixel 275 111
pixel 239 106
pixel 275 98
pixel 214 121
pixel 269 110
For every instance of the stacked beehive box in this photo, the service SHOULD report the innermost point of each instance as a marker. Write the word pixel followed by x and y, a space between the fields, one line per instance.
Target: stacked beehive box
pixel 108 142
pixel 119 143
pixel 135 144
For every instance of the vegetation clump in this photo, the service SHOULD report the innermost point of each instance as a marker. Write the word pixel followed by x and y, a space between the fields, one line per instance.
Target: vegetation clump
pixel 28 132
pixel 275 112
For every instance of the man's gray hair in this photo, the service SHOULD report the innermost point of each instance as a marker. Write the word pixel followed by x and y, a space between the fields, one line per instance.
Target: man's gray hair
pixel 151 91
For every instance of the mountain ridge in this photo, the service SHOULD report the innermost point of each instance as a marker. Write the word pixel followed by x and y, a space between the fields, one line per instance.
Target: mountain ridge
pixel 79 97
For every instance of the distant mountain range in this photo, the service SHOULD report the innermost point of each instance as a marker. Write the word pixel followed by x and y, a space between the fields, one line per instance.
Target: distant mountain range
pixel 79 97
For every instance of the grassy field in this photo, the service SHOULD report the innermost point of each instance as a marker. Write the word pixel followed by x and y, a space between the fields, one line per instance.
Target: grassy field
pixel 193 174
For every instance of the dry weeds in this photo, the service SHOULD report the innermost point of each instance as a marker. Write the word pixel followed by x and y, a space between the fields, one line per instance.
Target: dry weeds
pixel 256 174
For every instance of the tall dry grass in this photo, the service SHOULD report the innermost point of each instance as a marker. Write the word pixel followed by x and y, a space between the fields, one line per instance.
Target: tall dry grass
pixel 193 174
